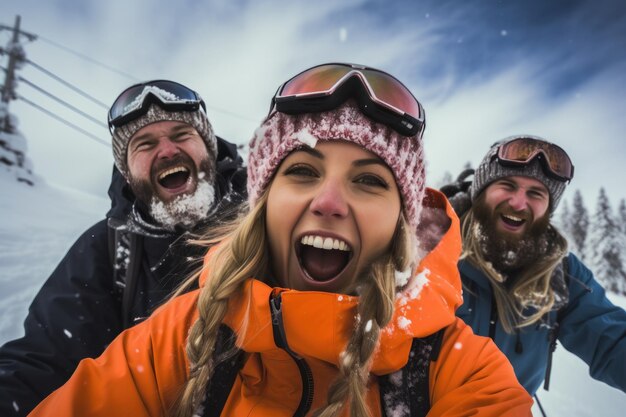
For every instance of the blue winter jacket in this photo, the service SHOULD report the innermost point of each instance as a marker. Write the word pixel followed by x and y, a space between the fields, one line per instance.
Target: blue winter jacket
pixel 591 327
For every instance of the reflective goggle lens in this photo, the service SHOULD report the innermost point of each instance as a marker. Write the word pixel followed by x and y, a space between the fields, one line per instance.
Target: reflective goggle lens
pixel 324 80
pixel 524 150
pixel 389 90
pixel 317 80
pixel 168 92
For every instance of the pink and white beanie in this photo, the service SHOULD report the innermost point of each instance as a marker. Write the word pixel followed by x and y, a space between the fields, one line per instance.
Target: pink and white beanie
pixel 282 133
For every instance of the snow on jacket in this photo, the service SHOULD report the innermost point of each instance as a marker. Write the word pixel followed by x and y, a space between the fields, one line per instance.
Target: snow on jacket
pixel 592 328
pixel 78 312
pixel 143 370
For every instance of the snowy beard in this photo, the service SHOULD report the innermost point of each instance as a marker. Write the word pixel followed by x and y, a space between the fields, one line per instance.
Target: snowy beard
pixel 186 210
pixel 509 252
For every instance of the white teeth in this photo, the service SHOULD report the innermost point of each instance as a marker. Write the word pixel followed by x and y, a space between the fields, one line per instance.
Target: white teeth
pixel 172 171
pixel 514 218
pixel 327 243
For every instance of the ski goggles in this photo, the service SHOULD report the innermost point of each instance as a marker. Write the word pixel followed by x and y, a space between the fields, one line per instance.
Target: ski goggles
pixel 135 101
pixel 523 150
pixel 379 95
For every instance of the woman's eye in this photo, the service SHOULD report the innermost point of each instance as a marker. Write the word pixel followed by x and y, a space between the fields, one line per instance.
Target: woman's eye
pixel 372 181
pixel 301 171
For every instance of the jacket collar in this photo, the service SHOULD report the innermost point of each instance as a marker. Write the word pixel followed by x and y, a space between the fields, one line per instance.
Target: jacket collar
pixel 318 324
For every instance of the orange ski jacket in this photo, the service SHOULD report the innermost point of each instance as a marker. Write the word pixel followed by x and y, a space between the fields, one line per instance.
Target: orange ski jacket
pixel 143 370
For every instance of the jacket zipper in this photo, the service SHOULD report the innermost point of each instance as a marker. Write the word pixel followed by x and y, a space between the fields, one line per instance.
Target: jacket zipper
pixel 305 371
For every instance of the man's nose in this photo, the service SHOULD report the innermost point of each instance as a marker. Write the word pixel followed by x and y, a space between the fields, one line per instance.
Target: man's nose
pixel 330 200
pixel 167 148
pixel 518 200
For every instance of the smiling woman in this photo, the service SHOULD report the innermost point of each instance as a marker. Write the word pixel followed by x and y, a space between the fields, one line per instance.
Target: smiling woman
pixel 323 295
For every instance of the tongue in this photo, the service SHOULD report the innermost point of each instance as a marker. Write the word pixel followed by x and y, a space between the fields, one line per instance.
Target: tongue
pixel 174 180
pixel 321 264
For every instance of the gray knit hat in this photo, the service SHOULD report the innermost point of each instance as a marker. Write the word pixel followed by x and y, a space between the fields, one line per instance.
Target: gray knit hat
pixel 197 119
pixel 491 170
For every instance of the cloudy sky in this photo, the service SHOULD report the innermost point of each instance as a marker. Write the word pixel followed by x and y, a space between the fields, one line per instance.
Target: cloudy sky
pixel 483 69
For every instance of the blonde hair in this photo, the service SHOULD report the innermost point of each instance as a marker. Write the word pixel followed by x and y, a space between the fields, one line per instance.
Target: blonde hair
pixel 243 254
pixel 531 289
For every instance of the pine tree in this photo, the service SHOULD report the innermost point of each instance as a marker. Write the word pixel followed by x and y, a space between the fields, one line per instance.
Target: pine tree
pixel 579 226
pixel 621 220
pixel 565 222
pixel 606 259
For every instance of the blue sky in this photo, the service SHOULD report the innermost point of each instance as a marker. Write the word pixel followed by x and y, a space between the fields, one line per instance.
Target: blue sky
pixel 483 69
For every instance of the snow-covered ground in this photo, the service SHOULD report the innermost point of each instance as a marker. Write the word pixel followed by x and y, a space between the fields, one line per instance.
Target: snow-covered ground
pixel 38 224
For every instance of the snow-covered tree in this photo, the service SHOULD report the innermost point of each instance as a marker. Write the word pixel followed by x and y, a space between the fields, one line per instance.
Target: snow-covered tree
pixel 579 226
pixel 604 240
pixel 564 221
pixel 13 160
pixel 621 220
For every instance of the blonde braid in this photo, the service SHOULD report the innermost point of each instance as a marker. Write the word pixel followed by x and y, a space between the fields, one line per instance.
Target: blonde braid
pixel 375 310
pixel 237 259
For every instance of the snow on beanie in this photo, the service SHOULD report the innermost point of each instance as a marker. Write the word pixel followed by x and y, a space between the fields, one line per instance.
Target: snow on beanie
pixel 491 170
pixel 123 134
pixel 282 133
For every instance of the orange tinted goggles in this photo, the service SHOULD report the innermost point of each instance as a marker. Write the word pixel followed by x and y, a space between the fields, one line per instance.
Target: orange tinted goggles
pixel 521 151
pixel 379 95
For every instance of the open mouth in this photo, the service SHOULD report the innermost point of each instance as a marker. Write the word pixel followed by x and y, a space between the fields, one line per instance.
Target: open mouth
pixel 174 178
pixel 323 258
pixel 512 221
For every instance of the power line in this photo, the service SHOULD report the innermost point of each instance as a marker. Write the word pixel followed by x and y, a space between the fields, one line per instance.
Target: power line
pixel 62 120
pixel 67 84
pixel 87 58
pixel 65 103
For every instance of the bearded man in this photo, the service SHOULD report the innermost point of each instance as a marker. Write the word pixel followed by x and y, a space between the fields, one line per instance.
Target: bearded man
pixel 172 177
pixel 521 286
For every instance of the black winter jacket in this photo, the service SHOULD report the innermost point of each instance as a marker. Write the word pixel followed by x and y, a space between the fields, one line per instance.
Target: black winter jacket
pixel 78 311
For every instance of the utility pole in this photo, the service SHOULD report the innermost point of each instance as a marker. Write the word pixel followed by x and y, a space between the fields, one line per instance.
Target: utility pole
pixel 16 57
pixel 12 144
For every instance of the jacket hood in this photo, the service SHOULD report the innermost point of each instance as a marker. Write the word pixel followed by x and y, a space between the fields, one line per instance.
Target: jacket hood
pixel 318 324
pixel 230 185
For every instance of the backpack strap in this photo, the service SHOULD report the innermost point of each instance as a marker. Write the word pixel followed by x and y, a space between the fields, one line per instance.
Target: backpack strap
pixel 407 391
pixel 125 251
pixel 554 332
pixel 229 361
pixel 135 246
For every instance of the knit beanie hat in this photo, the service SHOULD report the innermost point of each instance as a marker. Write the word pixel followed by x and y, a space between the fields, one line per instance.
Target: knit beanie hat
pixel 282 133
pixel 491 170
pixel 197 119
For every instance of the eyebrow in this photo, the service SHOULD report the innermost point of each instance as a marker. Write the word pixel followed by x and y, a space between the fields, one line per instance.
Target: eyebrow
pixel 358 163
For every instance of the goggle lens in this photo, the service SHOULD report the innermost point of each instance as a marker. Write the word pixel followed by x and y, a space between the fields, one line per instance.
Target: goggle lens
pixel 524 150
pixel 132 100
pixel 317 80
pixel 382 89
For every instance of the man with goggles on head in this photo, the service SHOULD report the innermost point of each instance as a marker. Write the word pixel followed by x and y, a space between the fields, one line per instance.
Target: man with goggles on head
pixel 172 177
pixel 521 286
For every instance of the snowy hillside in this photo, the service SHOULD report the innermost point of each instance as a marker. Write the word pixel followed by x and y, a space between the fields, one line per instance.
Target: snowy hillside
pixel 38 224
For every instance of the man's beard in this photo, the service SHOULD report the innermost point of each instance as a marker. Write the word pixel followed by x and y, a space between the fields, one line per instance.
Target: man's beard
pixel 510 252
pixel 185 210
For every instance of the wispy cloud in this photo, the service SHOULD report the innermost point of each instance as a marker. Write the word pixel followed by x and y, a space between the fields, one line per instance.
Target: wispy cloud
pixel 483 70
